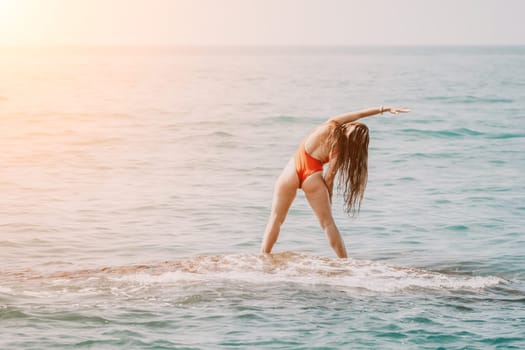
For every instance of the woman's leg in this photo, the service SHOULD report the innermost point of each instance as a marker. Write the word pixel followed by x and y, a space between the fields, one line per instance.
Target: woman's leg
pixel 317 194
pixel 283 196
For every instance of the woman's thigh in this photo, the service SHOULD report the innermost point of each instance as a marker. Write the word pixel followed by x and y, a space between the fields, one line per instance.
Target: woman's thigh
pixel 285 190
pixel 318 197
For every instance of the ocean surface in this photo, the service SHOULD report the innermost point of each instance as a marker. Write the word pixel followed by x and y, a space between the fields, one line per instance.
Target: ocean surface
pixel 135 186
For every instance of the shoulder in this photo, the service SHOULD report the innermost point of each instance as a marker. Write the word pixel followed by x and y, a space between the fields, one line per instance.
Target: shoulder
pixel 323 130
pixel 329 127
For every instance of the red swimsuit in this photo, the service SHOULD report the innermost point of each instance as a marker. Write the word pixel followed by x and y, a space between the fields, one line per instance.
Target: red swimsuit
pixel 305 164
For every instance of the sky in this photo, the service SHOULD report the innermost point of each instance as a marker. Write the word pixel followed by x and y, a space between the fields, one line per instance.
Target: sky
pixel 261 22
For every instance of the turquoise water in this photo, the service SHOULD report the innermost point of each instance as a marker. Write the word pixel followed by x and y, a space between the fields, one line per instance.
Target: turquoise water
pixel 136 184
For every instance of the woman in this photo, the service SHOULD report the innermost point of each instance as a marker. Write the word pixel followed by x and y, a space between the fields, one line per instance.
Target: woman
pixel 341 142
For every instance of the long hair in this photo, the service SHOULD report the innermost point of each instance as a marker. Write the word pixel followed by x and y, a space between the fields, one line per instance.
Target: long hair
pixel 350 148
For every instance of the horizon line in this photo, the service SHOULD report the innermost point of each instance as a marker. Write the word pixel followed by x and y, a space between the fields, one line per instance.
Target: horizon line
pixel 248 46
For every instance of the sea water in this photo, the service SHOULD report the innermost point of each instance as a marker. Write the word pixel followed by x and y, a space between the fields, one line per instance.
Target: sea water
pixel 136 184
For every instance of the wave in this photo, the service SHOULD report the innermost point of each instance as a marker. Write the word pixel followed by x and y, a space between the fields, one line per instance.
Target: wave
pixel 505 136
pixel 97 141
pixel 288 267
pixel 468 99
pixel 221 134
pixel 454 133
pixel 287 120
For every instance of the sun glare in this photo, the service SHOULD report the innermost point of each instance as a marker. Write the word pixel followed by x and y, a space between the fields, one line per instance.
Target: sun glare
pixel 8 9
pixel 11 18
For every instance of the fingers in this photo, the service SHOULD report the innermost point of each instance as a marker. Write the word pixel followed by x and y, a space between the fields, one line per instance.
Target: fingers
pixel 399 110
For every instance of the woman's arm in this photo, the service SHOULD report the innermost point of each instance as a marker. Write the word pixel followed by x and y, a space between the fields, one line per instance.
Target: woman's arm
pixel 353 116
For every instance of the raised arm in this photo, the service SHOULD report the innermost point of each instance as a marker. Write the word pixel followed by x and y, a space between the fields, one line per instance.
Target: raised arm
pixel 353 116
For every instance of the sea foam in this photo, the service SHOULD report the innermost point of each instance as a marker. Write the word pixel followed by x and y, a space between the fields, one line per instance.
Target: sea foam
pixel 302 269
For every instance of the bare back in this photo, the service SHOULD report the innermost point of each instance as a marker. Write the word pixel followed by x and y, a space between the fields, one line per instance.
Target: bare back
pixel 315 142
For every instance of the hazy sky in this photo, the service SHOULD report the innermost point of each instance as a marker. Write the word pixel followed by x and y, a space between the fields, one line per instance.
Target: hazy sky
pixel 261 22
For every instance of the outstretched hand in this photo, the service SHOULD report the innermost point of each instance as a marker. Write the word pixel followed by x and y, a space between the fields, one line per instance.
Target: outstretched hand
pixel 396 110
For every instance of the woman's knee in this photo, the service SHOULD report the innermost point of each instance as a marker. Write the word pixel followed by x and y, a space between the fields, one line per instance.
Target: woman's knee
pixel 326 222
